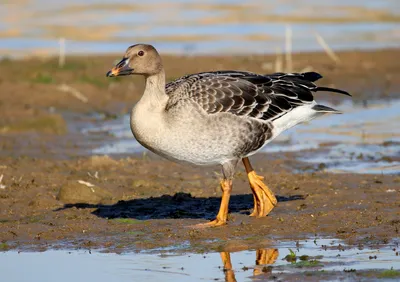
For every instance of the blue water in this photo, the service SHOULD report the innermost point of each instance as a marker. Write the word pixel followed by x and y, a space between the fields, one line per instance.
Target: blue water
pixel 64 266
pixel 34 27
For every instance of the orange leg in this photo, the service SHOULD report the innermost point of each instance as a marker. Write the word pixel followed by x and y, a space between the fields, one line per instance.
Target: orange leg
pixel 264 198
pixel 264 256
pixel 222 216
pixel 226 260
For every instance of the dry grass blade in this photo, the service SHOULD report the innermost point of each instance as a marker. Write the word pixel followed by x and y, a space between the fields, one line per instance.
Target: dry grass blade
pixel 88 184
pixel 1 185
pixel 61 57
pixel 326 47
pixel 278 60
pixel 74 92
pixel 288 47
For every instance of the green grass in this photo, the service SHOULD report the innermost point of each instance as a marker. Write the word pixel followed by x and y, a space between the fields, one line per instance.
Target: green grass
pixel 127 220
pixel 49 123
pixel 70 65
pixel 390 273
pixel 4 246
pixel 304 257
pixel 307 263
pixel 304 260
pixel 94 81
pixel 135 233
pixel 291 257
pixel 43 78
pixel 73 65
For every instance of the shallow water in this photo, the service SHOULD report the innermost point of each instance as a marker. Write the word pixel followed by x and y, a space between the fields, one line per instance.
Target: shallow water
pixel 34 27
pixel 365 139
pixel 328 256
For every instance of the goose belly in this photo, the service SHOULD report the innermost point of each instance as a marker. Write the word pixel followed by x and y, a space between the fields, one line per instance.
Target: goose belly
pixel 188 147
pixel 204 140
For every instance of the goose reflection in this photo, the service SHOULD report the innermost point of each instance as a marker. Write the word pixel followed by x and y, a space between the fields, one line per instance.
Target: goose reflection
pixel 264 257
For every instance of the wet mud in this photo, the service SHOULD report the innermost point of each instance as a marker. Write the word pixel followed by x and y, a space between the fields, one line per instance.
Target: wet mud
pixel 56 194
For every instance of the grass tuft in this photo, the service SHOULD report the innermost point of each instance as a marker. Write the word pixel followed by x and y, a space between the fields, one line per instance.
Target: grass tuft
pixel 43 78
pixel 390 273
pixel 4 246
pixel 127 220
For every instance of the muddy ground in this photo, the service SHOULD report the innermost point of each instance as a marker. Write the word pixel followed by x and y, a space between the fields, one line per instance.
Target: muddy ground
pixel 142 201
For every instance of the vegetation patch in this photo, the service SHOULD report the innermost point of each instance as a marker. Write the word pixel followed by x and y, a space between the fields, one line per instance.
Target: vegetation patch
pixel 390 273
pixel 4 246
pixel 42 78
pixel 94 81
pixel 307 263
pixel 127 220
pixel 47 123
pixel 303 260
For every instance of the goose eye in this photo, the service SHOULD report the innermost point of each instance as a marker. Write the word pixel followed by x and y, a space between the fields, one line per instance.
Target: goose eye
pixel 140 53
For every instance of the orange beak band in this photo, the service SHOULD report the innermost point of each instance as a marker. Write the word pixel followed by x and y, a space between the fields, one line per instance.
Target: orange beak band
pixel 113 72
pixel 122 68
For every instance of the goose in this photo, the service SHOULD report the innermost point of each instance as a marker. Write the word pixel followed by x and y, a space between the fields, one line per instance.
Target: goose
pixel 218 117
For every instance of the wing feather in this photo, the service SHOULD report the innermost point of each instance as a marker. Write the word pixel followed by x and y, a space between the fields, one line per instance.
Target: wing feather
pixel 263 97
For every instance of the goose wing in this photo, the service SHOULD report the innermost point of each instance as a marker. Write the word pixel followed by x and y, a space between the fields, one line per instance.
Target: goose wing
pixel 263 97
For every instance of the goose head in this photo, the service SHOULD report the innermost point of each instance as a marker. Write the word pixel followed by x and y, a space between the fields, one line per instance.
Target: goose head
pixel 141 59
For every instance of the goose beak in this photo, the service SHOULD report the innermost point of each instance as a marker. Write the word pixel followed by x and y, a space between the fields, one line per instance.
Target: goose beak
pixel 122 68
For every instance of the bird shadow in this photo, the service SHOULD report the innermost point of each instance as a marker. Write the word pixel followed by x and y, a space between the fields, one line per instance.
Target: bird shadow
pixel 180 205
